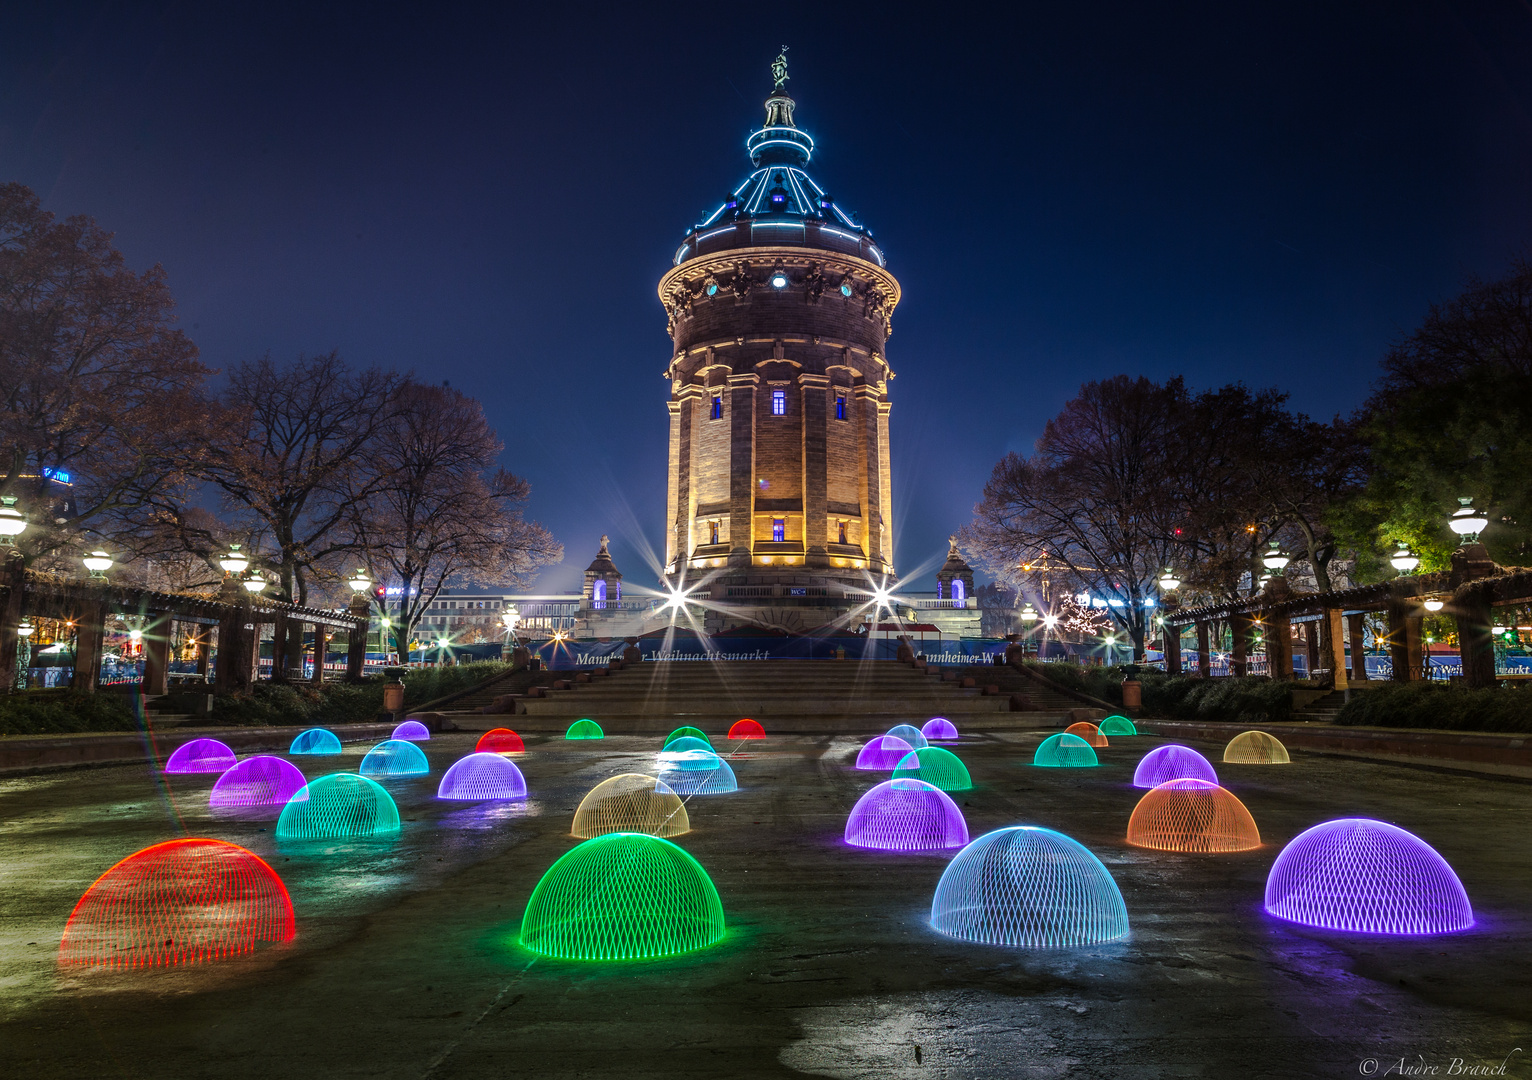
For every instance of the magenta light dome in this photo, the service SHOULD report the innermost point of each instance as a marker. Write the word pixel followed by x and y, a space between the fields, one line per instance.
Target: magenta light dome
pixel 883 754
pixel 906 815
pixel 412 731
pixel 257 781
pixel 1367 876
pixel 1172 762
pixel 201 756
pixel 939 727
pixel 479 777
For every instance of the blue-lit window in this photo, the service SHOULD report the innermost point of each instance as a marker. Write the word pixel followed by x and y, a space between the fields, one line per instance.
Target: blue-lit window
pixel 598 593
pixel 842 533
pixel 779 403
pixel 840 406
pixel 717 406
pixel 958 593
pixel 712 532
pixel 778 529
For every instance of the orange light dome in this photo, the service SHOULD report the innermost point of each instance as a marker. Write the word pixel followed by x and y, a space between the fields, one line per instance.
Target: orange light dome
pixel 1089 732
pixel 1193 816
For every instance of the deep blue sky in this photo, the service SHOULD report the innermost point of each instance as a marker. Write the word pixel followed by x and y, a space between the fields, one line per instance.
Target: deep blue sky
pixel 1259 192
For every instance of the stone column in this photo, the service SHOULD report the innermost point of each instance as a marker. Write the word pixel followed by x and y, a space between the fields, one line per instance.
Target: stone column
pixel 679 479
pixel 742 469
pixel 1404 636
pixel 157 640
pixel 89 631
pixel 1356 629
pixel 1330 631
pixel 870 476
pixel 1472 610
pixel 13 578
pixel 1204 658
pixel 1279 647
pixel 203 634
pixel 1170 643
pixel 815 391
pixel 1311 646
pixel 279 644
pixel 235 649
pixel 1239 663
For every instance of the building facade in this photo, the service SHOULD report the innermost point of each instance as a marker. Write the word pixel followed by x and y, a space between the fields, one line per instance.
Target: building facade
pixel 780 308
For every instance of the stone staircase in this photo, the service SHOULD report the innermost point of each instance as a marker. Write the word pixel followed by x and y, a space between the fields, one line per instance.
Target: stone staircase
pixel 787 695
pixel 1321 710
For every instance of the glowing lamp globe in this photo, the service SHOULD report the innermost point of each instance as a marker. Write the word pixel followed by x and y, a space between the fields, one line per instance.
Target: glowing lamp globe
pixel 906 815
pixel 623 896
pixel 1172 762
pixel 1064 751
pixel 395 757
pixel 412 731
pixel 97 562
pixel 747 729
pixel 910 734
pixel 315 741
pixel 201 756
pixel 937 767
pixel 12 522
pixel 1028 887
pixel 481 777
pixel 1117 725
pixel 500 740
pixel 584 729
pixel 1087 731
pixel 1274 559
pixel 341 806
pixel 189 901
pixel 630 803
pixel 257 781
pixel 1255 748
pixel 938 727
pixel 1192 816
pixel 1404 560
pixel 234 561
pixel 882 754
pixel 359 581
pixel 1467 522
pixel 688 733
pixel 697 772
pixel 1366 876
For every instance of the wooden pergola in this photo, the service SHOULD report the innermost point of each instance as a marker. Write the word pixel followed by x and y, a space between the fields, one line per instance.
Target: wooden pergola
pixel 1469 592
pixel 230 628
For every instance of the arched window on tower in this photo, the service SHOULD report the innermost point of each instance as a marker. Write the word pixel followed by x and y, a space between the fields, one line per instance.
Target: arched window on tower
pixel 598 593
pixel 958 593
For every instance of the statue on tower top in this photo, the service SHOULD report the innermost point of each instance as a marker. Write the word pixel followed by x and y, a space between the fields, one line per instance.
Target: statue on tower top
pixel 779 69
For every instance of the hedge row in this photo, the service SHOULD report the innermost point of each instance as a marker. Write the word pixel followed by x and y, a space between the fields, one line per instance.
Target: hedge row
pixel 1432 705
pixel 25 714
pixel 302 704
pixel 1181 697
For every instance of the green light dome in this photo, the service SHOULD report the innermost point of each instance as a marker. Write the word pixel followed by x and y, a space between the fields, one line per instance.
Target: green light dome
pixel 687 732
pixel 1065 751
pixel 1117 725
pixel 623 896
pixel 584 729
pixel 937 767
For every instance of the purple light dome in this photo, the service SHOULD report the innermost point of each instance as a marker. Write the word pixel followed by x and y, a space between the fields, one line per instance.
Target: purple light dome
pixel 257 781
pixel 479 777
pixel 939 727
pixel 1367 876
pixel 883 754
pixel 413 731
pixel 201 756
pixel 1172 762
pixel 906 815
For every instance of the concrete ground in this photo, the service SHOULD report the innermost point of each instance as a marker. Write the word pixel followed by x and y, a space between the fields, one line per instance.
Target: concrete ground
pixel 406 963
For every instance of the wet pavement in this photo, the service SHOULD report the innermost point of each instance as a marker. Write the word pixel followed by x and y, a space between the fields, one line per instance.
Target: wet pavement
pixel 405 962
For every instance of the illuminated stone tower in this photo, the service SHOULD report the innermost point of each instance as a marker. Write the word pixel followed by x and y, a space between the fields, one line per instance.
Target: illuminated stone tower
pixel 780 307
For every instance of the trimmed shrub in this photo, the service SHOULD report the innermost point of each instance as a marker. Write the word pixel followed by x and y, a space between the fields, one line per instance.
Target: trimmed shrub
pixel 1432 705
pixel 24 714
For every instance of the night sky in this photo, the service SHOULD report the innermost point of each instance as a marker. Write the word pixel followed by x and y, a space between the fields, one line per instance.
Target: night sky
pixel 1268 193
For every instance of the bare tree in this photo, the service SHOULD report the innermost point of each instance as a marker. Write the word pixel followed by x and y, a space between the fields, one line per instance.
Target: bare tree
pixel 442 513
pixel 294 450
pixel 100 408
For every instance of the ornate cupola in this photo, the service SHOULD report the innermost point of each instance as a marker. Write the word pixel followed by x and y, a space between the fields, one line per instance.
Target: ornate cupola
pixel 954 581
pixel 603 581
pixel 780 307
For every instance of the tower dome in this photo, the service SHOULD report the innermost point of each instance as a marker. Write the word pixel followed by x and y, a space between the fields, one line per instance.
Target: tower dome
pixel 779 306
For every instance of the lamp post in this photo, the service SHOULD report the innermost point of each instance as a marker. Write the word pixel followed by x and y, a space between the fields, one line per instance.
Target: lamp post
pixel 1274 559
pixel 234 562
pixel 1467 522
pixel 98 563
pixel 1029 617
pixel 254 584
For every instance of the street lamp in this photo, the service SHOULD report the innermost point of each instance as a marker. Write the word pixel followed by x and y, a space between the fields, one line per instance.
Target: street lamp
pixel 98 563
pixel 1273 559
pixel 510 616
pixel 1434 605
pixel 1029 614
pixel 1467 522
pixel 359 581
pixel 1404 560
pixel 26 628
pixel 234 562
pixel 1168 581
pixel 254 583
pixel 12 522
